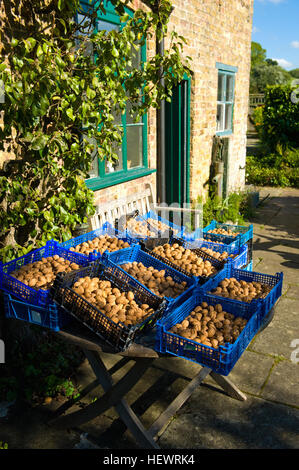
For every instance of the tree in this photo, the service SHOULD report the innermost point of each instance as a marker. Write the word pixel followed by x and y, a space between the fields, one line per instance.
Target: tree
pixel 258 54
pixel 60 103
pixel 264 75
pixel 294 73
pixel 271 62
pixel 265 71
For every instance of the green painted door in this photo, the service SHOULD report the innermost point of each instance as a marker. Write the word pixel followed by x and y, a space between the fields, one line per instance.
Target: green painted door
pixel 177 142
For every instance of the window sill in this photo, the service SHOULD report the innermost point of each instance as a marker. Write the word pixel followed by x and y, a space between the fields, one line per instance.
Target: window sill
pixel 224 133
pixel 113 179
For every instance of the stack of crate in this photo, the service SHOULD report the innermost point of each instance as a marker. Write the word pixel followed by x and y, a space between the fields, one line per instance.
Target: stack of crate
pixel 56 307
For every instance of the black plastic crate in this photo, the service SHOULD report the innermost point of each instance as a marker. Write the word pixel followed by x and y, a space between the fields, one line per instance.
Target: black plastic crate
pixel 117 335
pixel 155 233
pixel 218 265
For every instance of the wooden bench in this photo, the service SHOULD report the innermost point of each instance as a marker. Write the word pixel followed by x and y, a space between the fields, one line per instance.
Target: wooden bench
pixel 143 202
pixel 112 211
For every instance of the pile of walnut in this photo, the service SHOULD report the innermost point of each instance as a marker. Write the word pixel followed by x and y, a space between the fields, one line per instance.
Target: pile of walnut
pixel 161 226
pixel 210 325
pixel 41 274
pixel 222 231
pixel 241 290
pixel 211 241
pixel 141 227
pixel 117 305
pixel 100 244
pixel 185 259
pixel 155 280
pixel 215 254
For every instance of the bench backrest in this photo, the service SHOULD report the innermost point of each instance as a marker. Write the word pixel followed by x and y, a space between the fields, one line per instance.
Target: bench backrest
pixel 114 209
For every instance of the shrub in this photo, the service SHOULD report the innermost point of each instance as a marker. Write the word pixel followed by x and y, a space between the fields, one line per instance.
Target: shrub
pixel 274 170
pixel 257 118
pixel 280 118
pixel 236 207
pixel 39 365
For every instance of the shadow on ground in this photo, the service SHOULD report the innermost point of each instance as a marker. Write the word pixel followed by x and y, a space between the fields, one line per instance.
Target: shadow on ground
pixel 209 419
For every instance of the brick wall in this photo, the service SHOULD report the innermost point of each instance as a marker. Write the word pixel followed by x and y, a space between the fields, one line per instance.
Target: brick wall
pixel 217 31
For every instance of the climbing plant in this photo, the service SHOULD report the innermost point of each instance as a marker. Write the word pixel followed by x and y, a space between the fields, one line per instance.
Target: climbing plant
pixel 64 83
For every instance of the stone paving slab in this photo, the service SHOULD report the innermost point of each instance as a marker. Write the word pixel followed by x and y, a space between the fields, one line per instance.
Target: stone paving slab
pixel 250 371
pixel 284 328
pixel 225 423
pixel 283 384
pixel 27 429
pixel 293 292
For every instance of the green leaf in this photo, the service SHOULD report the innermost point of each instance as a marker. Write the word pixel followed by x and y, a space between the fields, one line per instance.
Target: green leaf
pixel 70 114
pixel 14 42
pixel 29 44
pixel 90 93
pixel 61 64
pixel 39 142
pixel 39 51
pixel 48 215
pixel 115 52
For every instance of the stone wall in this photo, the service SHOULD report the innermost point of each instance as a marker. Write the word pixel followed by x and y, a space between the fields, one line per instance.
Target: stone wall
pixel 217 31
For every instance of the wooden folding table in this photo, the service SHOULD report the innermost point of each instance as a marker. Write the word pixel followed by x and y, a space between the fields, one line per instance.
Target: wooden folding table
pixel 143 354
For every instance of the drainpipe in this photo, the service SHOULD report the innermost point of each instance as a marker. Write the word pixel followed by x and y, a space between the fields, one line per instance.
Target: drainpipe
pixel 218 178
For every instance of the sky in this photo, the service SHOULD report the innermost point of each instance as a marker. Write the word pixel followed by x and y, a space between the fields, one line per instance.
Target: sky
pixel 276 28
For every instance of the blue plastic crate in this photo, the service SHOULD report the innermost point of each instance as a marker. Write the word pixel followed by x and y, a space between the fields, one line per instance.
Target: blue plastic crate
pixel 228 244
pixel 237 256
pixel 222 359
pixel 18 289
pixel 135 253
pixel 173 228
pixel 52 316
pixel 244 233
pixel 106 229
pixel 274 281
pixel 248 267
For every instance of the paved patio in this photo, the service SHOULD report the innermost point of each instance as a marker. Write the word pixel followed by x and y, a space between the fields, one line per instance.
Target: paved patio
pixel 267 372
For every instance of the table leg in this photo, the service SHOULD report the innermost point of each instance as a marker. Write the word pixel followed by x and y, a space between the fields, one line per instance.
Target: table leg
pixel 178 402
pixel 229 387
pixel 124 411
pixel 113 396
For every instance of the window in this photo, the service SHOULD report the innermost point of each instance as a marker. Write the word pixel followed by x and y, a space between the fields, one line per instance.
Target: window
pixel 132 153
pixel 225 99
